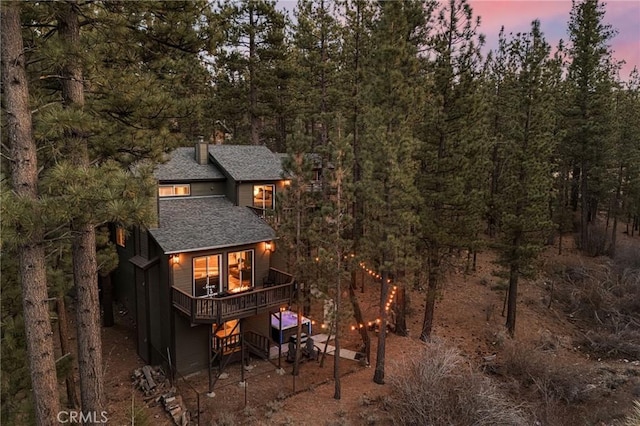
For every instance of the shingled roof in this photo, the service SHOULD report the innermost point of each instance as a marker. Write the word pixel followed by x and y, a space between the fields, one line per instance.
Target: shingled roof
pixel 182 166
pixel 200 223
pixel 247 162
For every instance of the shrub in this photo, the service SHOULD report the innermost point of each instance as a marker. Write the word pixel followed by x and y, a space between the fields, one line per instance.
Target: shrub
pixel 608 298
pixel 438 387
pixel 620 344
pixel 633 419
pixel 225 419
pixel 530 366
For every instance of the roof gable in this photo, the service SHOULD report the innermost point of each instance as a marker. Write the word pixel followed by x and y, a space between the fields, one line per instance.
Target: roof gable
pixel 247 162
pixel 182 166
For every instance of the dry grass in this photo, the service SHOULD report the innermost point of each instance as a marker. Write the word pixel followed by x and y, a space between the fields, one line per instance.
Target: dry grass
pixel 606 298
pixel 633 419
pixel 438 387
pixel 531 368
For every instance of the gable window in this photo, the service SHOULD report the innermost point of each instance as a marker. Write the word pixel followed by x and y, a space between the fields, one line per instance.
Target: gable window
pixel 181 190
pixel 263 196
pixel 240 271
pixel 206 275
pixel 120 236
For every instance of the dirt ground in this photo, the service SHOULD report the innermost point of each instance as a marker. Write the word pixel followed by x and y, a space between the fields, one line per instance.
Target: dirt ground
pixel 468 316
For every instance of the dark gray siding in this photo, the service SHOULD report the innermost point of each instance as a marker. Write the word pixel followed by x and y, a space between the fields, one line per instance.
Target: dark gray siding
pixel 192 345
pixel 230 191
pixel 123 277
pixel 245 194
pixel 258 324
pixel 207 188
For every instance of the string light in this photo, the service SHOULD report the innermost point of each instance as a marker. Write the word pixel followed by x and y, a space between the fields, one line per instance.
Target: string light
pixel 388 303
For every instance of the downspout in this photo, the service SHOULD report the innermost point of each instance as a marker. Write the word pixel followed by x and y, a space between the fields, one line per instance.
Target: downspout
pixel 210 346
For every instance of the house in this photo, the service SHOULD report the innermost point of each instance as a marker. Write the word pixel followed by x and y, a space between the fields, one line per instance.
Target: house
pixel 205 281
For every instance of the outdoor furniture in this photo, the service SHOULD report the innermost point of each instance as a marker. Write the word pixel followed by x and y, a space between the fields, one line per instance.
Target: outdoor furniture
pixel 309 349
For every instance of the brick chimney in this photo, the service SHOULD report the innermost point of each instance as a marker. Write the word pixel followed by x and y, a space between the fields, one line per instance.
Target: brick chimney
pixel 202 151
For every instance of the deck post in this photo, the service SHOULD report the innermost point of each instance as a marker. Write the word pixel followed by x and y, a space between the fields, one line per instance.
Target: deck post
pixel 242 354
pixel 210 345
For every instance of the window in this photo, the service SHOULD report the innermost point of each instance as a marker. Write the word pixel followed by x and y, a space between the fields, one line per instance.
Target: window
pixel 174 190
pixel 240 271
pixel 120 236
pixel 206 275
pixel 263 196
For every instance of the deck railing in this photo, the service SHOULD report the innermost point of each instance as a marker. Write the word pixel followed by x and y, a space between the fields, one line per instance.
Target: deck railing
pixel 218 309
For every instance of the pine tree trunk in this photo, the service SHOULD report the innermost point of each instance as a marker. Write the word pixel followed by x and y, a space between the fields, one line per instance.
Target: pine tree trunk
pixel 31 254
pixel 400 310
pixel 88 319
pixel 63 330
pixel 336 340
pixel 378 376
pixel 616 204
pixel 584 210
pixel 512 299
pixel 83 245
pixel 432 288
pixel 357 313
pixel 253 96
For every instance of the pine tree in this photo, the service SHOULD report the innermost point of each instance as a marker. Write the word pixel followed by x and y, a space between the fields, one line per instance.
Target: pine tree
pixel 117 111
pixel 626 195
pixel 588 116
pixel 389 147
pixel 316 42
pixel 357 17
pixel 526 180
pixel 335 246
pixel 83 246
pixel 249 63
pixel 28 228
pixel 452 150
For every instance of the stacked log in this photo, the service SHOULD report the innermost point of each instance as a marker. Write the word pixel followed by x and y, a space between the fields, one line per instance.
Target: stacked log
pixel 153 383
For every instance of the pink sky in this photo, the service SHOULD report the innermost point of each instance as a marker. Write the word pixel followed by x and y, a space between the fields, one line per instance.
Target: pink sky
pixel 516 16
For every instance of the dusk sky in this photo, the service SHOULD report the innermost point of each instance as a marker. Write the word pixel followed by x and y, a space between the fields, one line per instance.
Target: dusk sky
pixel 516 16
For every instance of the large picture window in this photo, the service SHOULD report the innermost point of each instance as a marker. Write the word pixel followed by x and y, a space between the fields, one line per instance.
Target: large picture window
pixel 240 271
pixel 263 196
pixel 174 190
pixel 206 275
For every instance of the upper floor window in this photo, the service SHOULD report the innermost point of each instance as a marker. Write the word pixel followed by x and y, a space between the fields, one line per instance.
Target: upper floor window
pixel 263 196
pixel 179 190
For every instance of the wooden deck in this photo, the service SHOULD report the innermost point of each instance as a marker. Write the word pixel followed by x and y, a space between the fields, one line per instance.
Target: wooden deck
pixel 218 309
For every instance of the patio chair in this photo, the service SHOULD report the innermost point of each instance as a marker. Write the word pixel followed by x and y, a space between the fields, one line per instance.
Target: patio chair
pixel 310 350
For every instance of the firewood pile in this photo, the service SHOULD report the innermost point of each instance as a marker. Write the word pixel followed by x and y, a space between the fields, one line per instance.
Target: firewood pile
pixel 154 385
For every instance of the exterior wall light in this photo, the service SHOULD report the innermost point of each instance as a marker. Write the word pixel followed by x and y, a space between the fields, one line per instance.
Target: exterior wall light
pixel 268 246
pixel 175 259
